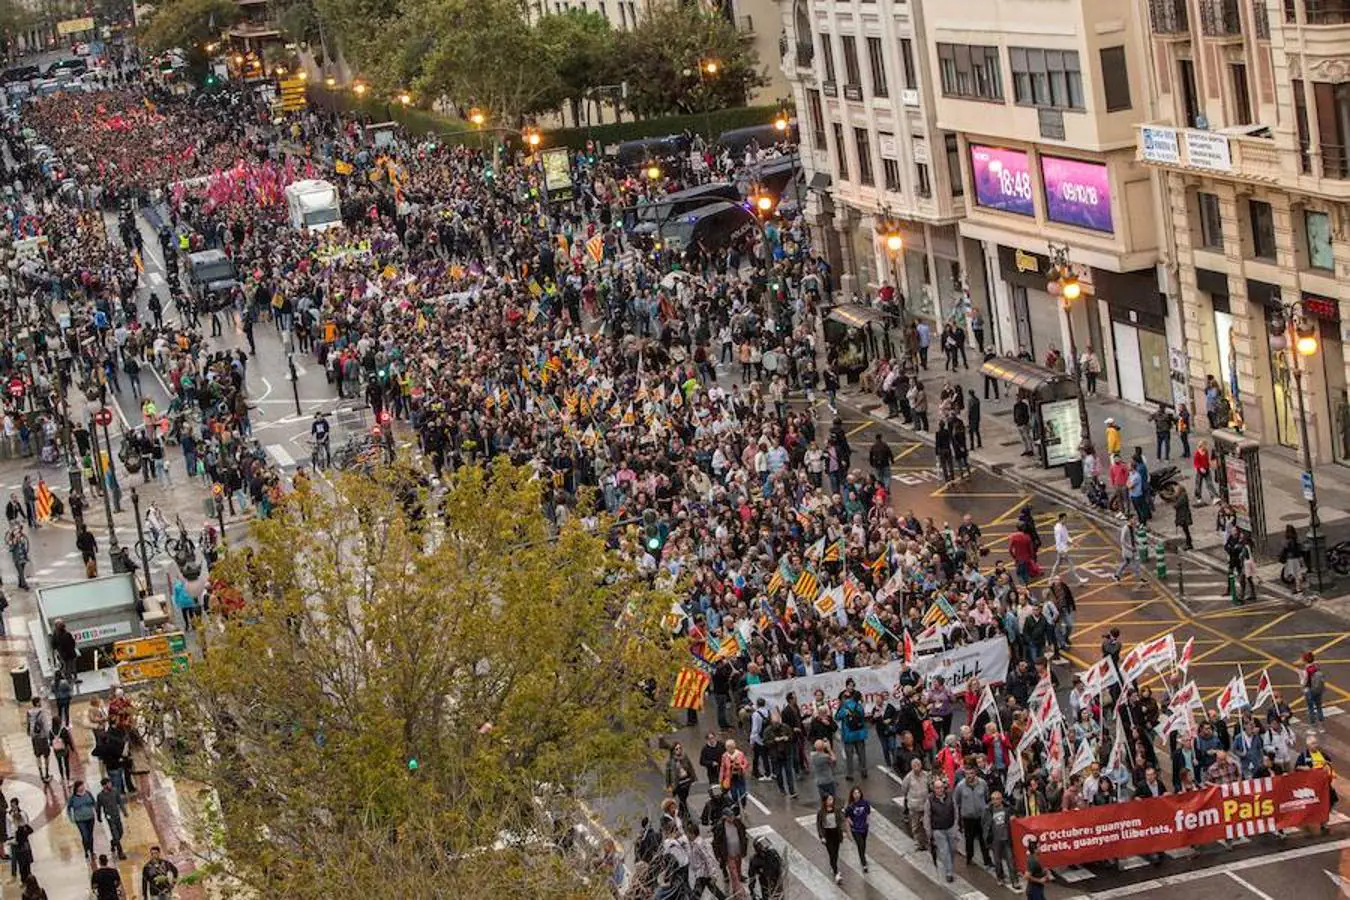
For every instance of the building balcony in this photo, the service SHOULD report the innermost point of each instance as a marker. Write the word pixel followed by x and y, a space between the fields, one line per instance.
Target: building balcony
pixel 1220 19
pixel 1261 20
pixel 1242 157
pixel 1323 12
pixel 1168 18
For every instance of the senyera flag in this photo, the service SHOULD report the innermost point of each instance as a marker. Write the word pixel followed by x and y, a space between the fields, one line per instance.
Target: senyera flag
pixel 1206 816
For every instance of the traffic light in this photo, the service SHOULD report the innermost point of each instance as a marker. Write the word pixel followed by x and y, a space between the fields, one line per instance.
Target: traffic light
pixel 655 531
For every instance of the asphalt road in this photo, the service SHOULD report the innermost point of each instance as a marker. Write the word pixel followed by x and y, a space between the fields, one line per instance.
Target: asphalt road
pixel 1264 635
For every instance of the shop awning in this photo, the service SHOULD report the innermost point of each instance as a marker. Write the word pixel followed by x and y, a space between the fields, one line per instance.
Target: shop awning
pixel 1022 374
pixel 856 316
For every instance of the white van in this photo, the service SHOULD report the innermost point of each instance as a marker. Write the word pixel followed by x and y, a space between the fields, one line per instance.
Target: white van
pixel 313 204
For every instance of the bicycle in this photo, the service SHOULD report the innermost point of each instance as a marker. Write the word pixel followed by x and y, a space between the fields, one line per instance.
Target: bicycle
pixel 320 454
pixel 181 548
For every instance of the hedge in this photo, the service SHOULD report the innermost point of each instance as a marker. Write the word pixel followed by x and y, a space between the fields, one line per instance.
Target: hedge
pixel 604 135
pixel 422 121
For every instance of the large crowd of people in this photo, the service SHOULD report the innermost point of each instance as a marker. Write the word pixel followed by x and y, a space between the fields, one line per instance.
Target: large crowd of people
pixel 635 381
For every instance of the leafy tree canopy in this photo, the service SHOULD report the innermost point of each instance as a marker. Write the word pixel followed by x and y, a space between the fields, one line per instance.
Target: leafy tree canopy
pixel 187 24
pixel 500 658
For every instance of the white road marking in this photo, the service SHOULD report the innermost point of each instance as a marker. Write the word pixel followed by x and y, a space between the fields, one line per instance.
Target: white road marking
pixel 890 774
pixel 758 805
pixel 1240 865
pixel 816 882
pixel 882 880
pixel 1249 886
pixel 903 845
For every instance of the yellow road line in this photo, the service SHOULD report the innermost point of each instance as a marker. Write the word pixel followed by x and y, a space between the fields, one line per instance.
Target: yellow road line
pixel 1012 511
pixel 1271 624
pixel 1263 655
pixel 910 449
pixel 864 426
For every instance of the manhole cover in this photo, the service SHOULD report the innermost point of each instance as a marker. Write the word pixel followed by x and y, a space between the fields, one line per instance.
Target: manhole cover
pixel 1292 517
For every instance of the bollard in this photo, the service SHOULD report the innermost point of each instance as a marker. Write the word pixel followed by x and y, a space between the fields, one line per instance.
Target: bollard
pixel 1160 551
pixel 1141 541
pixel 1232 588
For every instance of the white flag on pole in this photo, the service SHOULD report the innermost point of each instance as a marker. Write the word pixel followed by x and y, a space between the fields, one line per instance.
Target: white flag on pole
pixel 1087 755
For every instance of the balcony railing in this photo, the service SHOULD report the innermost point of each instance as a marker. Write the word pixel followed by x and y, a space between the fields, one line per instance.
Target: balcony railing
pixel 1168 17
pixel 1220 18
pixel 1335 162
pixel 1261 20
pixel 1327 12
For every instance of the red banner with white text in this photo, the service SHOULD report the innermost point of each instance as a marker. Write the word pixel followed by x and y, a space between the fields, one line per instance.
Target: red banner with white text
pixel 1211 814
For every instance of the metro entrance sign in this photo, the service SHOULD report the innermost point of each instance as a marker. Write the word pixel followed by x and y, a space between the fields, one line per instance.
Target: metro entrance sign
pixel 103 417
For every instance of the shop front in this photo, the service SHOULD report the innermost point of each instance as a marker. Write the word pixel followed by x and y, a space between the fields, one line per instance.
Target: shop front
pixel 1036 320
pixel 1279 405
pixel 1142 361
pixel 1326 311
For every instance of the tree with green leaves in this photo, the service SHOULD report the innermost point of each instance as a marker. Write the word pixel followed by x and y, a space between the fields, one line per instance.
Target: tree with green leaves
pixel 187 24
pixel 405 705
pixel 665 61
pixel 584 48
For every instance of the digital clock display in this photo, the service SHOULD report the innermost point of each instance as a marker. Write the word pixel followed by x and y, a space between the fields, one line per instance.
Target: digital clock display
pixel 1077 193
pixel 1002 179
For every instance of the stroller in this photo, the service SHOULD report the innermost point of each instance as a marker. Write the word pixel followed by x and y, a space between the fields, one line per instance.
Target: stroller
pixel 1096 494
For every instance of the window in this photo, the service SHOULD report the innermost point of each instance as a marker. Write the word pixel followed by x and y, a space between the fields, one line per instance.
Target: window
pixel 817 119
pixel 1331 105
pixel 827 54
pixel 890 170
pixel 923 184
pixel 1301 121
pixel 851 71
pixel 1242 98
pixel 1263 228
pixel 970 71
pixel 877 62
pixel 1048 78
pixel 1115 79
pixel 907 63
pixel 840 151
pixel 954 165
pixel 1211 220
pixel 1317 228
pixel 1190 99
pixel 863 141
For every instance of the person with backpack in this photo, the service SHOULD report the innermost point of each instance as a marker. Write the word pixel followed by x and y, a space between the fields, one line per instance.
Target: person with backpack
pixel 680 777
pixel 853 721
pixel 38 724
pixel 1314 683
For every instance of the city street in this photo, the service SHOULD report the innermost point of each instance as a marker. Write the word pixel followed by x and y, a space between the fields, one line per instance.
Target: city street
pixel 1264 635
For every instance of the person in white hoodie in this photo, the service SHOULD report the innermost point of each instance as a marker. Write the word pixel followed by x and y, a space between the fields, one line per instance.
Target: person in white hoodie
pixel 702 866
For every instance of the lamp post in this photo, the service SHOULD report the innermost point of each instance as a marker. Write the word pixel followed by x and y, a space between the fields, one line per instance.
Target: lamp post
pixel 1289 317
pixel 763 208
pixel 103 418
pixel 107 490
pixel 1064 284
pixel 140 541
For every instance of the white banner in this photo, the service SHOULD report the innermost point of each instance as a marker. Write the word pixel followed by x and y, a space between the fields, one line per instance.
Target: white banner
pixel 986 660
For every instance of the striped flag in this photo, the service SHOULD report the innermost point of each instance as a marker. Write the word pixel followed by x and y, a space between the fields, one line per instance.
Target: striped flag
pixel 781 578
pixel 880 564
pixel 728 648
pixel 851 590
pixel 690 685
pixel 807 586
pixel 45 501
pixel 936 616
pixel 596 248
pixel 873 628
pixel 908 648
pixel 816 550
pixel 834 552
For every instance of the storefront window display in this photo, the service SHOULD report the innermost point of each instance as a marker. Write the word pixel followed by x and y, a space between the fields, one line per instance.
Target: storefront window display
pixel 1283 403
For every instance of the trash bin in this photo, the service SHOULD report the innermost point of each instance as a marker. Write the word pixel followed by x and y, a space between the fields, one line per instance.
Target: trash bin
pixel 1073 469
pixel 23 683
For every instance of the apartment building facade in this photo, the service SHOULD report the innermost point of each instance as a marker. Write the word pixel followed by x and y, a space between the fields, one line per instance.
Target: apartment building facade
pixel 1044 98
pixel 1251 135
pixel 875 160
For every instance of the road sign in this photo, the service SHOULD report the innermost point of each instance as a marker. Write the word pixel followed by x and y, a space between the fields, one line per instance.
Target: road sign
pixel 103 417
pixel 16 387
pixel 292 94
pixel 1307 480
pixel 218 489
pixel 148 647
pixel 150 669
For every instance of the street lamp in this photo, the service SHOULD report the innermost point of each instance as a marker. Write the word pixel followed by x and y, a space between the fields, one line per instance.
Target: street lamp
pixel 405 98
pixel 1065 285
pixel 710 67
pixel 330 81
pixel 763 204
pixel 360 89
pixel 1290 316
pixel 653 172
pixel 477 118
pixel 533 139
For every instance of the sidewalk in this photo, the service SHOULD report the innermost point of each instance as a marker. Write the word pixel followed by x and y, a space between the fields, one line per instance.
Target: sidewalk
pixel 1002 453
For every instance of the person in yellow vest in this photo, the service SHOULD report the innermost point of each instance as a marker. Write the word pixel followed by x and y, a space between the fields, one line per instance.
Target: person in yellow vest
pixel 1112 438
pixel 183 243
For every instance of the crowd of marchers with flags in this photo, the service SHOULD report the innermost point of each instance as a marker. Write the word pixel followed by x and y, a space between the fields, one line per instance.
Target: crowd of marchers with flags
pixel 973 757
pixel 494 322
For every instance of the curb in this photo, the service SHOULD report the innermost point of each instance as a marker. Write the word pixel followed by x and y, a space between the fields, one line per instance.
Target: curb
pixel 1072 500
